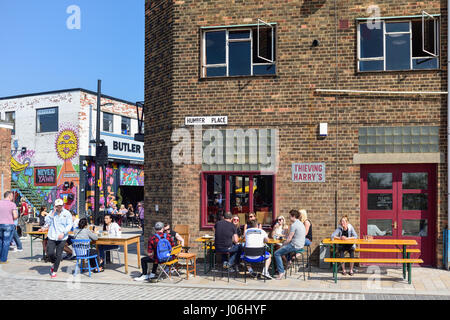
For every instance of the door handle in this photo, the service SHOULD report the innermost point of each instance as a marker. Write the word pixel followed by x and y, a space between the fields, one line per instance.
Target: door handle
pixel 395 225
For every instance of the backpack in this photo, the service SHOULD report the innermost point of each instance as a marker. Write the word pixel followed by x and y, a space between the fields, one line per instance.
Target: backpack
pixel 163 248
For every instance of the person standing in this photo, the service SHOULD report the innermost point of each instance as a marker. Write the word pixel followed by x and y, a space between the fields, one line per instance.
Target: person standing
pixel 8 213
pixel 294 242
pixel 16 238
pixel 59 222
pixel 141 215
pixel 23 217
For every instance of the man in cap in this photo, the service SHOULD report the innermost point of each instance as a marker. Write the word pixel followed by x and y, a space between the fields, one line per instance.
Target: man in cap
pixel 152 257
pixel 58 222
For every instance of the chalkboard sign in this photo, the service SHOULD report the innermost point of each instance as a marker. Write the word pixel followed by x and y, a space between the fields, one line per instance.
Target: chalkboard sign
pixel 45 176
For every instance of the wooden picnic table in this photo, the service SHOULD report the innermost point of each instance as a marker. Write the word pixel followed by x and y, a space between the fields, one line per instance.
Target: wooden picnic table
pixel 122 240
pixel 37 235
pixel 395 242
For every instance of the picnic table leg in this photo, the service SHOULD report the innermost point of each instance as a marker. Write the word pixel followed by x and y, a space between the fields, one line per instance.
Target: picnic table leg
pixel 125 253
pixel 404 265
pixel 31 254
pixel 409 273
pixel 205 259
pixel 139 252
pixel 334 264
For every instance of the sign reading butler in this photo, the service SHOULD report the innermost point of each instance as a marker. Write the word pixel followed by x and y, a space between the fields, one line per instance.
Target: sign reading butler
pixel 308 172
pixel 123 147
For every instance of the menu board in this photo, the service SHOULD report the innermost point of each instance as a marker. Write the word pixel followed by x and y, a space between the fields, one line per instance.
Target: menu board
pixel 45 176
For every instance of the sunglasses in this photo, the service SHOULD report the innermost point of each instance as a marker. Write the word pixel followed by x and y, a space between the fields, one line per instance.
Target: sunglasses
pixel 235 219
pixel 281 219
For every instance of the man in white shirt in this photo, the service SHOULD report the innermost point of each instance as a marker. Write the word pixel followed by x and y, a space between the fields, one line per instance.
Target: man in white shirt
pixel 255 238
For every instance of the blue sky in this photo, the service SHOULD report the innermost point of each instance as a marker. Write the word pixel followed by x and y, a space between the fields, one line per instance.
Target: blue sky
pixel 38 52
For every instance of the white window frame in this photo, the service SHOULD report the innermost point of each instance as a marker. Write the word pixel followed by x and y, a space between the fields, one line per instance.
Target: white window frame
pixel 112 121
pixel 436 34
pixel 271 61
pixel 227 41
pixel 412 58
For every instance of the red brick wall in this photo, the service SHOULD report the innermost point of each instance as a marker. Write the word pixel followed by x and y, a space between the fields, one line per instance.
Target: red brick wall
pixel 5 158
pixel 288 102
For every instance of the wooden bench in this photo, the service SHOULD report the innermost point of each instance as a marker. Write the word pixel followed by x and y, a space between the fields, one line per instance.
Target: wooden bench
pixel 386 250
pixel 409 262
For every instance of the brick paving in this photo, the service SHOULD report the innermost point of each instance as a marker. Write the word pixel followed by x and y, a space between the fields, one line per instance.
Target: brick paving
pixel 21 272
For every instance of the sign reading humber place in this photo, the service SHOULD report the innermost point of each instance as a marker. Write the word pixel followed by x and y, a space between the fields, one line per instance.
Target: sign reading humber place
pixel 123 147
pixel 308 172
pixel 215 120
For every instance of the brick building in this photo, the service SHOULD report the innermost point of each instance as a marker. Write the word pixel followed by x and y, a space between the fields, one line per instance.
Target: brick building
pixel 273 65
pixel 5 156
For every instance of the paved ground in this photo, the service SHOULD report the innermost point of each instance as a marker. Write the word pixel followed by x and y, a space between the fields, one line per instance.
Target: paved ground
pixel 31 275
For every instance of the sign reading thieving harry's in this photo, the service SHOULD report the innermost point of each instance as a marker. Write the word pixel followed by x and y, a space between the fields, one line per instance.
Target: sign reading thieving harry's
pixel 308 172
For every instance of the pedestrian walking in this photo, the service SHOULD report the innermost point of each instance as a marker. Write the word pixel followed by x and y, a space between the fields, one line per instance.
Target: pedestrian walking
pixel 8 213
pixel 141 215
pixel 16 239
pixel 59 222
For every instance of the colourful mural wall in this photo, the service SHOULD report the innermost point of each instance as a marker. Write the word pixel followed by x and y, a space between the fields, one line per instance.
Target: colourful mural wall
pixel 131 176
pixel 42 185
pixel 111 184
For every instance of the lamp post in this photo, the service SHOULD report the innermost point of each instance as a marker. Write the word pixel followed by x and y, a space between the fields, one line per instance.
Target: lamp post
pixel 98 145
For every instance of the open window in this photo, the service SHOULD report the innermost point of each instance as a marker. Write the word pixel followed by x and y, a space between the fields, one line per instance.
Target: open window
pixel 239 51
pixel 429 34
pixel 399 44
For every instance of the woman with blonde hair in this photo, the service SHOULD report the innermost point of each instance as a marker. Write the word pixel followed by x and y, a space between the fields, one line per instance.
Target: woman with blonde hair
pixel 279 228
pixel 308 226
pixel 344 232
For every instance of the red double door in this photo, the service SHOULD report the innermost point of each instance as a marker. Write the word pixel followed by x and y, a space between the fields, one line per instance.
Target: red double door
pixel 399 201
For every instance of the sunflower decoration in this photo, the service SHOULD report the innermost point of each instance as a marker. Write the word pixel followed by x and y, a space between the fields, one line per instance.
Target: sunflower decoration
pixel 67 144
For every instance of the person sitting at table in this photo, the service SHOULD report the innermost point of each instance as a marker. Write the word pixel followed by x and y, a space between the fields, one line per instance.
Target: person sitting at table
pixel 237 225
pixel 308 226
pixel 122 213
pixel 111 229
pixel 251 217
pixel 152 256
pixel 255 238
pixel 83 233
pixel 279 228
pixel 177 239
pixel 295 241
pixel 227 240
pixel 343 232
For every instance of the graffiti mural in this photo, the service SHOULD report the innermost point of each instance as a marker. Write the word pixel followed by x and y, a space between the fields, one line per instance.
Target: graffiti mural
pixel 131 176
pixel 65 179
pixel 111 184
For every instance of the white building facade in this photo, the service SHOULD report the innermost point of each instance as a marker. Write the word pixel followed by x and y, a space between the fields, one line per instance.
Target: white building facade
pixel 52 156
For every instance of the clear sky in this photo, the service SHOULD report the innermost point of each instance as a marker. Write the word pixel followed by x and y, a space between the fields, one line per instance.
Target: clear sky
pixel 39 52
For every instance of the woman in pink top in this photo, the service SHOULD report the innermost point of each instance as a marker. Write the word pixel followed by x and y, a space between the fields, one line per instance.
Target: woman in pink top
pixel 8 213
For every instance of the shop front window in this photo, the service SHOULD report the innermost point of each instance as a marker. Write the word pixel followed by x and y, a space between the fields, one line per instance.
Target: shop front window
pixel 238 193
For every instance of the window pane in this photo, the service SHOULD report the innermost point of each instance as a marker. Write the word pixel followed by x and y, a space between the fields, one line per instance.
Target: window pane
pixel 371 65
pixel 11 117
pixel 415 201
pixel 417 38
pixel 379 180
pixel 415 228
pixel 216 197
pixel 215 47
pixel 126 124
pixel 265 45
pixel 108 122
pixel 398 52
pixel 262 198
pixel 239 35
pixel 239 58
pixel 415 180
pixel 419 64
pixel 397 27
pixel 47 120
pixel 239 194
pixel 379 201
pixel 264 69
pixel 379 227
pixel 216 72
pixel 371 42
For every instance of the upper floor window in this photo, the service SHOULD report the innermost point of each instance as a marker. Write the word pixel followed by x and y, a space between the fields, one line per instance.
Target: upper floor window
pixel 47 120
pixel 108 123
pixel 10 116
pixel 246 51
pixel 126 125
pixel 399 45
